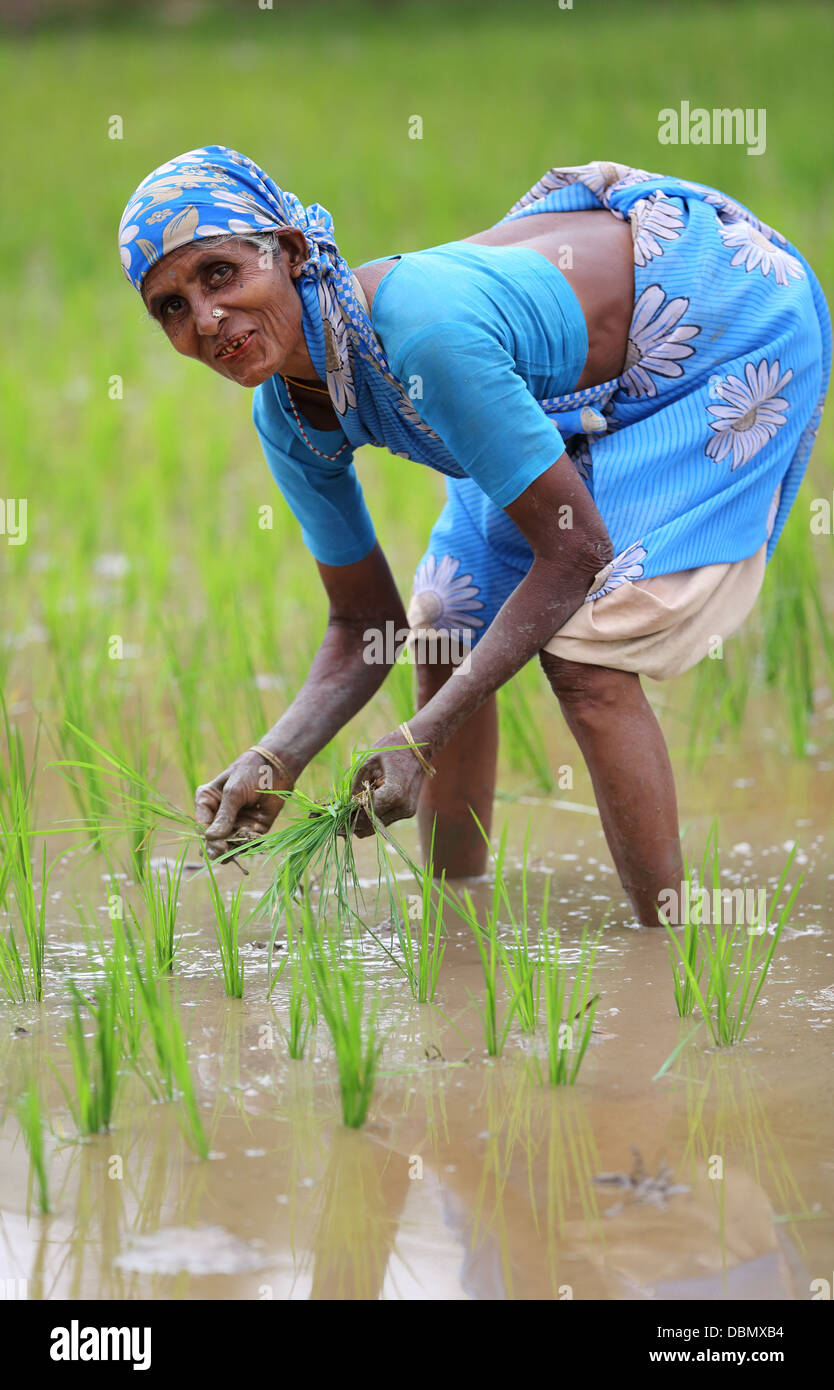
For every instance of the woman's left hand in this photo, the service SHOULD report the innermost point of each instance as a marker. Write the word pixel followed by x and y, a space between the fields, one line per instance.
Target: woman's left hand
pixel 395 779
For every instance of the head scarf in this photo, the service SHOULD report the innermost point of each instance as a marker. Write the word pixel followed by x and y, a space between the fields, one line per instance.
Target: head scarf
pixel 216 191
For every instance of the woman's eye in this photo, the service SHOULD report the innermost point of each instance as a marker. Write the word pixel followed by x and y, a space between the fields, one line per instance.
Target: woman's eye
pixel 218 273
pixel 171 308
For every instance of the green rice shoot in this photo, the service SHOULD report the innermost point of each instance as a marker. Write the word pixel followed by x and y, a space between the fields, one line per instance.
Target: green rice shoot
pixel 227 932
pixel 30 1117
pixel 736 959
pixel 95 1063
pixel 161 905
pixel 352 1022
pixel 569 1013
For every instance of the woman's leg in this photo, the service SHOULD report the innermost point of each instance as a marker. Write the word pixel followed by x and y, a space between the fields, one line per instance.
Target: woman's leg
pixel 465 779
pixel 624 749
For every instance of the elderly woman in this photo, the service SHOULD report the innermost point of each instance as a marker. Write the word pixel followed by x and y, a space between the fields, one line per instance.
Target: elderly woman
pixel 621 381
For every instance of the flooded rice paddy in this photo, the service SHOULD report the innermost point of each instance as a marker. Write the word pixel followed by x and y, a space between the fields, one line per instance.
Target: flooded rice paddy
pixel 470 1179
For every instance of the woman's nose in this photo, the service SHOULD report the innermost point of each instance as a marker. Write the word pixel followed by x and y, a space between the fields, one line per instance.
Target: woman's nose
pixel 206 319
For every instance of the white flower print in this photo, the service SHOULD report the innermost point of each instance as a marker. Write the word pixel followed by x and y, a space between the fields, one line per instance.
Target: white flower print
pixel 657 341
pixel 180 230
pixel 442 598
pixel 731 211
pixel 599 176
pixel 337 358
pixel 624 569
pixel 753 249
pixel 653 218
pixel 242 203
pixel 751 415
pixel 126 236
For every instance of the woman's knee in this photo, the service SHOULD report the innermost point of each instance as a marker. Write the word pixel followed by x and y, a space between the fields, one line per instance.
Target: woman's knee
pixel 583 688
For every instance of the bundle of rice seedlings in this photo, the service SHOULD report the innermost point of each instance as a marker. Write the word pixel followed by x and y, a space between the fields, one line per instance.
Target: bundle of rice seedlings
pixel 317 841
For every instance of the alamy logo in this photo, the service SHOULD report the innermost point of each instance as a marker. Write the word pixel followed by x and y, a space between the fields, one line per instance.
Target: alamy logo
pixel 695 125
pixel 13 515
pixel 77 1343
pixel 727 906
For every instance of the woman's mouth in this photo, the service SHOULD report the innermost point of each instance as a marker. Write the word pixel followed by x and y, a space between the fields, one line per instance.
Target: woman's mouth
pixel 235 346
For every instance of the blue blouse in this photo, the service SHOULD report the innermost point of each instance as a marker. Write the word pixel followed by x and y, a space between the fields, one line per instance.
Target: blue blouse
pixel 477 335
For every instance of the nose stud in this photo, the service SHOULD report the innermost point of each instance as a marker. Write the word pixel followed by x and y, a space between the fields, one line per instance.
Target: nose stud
pixel 217 313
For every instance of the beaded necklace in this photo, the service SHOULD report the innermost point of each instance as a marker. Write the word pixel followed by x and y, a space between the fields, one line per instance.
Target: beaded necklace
pixel 329 457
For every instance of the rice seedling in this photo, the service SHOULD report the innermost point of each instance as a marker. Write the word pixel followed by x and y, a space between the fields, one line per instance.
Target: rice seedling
pixel 115 961
pixel 187 677
pixel 88 791
pixel 523 970
pixel 569 1016
pixel 161 904
pixel 20 980
pixel 301 1001
pixel 95 1067
pixel 795 629
pixel 490 953
pixel 178 1068
pixel 352 1024
pixel 692 911
pixel 227 931
pixel 419 928
pixel 735 977
pixel 719 698
pixel 23 980
pixel 142 803
pixel 5 877
pixel 30 1118
pixel 142 826
pixel 166 1072
pixel 423 957
pixel 148 993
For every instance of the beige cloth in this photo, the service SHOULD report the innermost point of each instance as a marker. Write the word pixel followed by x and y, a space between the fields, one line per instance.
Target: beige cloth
pixel 663 625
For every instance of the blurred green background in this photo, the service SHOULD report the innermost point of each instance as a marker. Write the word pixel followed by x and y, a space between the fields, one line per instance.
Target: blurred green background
pixel 143 511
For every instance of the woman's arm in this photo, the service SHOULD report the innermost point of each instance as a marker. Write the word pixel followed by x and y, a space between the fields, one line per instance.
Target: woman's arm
pixel 342 679
pixel 566 558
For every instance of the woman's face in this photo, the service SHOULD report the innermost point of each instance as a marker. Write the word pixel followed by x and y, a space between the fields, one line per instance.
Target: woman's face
pixel 260 332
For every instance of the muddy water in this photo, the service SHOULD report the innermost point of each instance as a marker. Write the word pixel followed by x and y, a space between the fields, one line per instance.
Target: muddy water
pixel 471 1179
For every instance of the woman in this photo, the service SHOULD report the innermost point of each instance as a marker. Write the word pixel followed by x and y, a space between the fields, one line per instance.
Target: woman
pixel 621 380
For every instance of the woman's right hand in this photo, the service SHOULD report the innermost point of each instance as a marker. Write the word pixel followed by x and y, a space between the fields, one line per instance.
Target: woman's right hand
pixel 240 803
